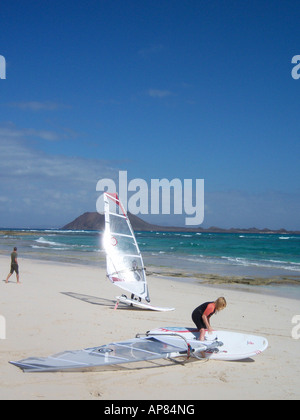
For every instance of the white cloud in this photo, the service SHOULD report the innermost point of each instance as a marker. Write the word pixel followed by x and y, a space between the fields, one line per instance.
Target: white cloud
pixel 12 132
pixel 148 52
pixel 241 209
pixel 158 93
pixel 37 105
pixel 37 189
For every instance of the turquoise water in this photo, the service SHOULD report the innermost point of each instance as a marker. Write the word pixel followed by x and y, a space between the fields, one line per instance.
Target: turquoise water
pixel 260 255
pixel 278 252
pixel 56 245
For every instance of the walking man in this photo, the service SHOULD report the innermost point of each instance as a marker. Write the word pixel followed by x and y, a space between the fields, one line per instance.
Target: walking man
pixel 14 265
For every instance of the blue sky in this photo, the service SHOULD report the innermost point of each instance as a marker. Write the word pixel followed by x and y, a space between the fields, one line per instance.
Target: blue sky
pixel 160 89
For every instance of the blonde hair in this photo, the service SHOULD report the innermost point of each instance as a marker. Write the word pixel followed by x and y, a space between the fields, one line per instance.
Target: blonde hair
pixel 220 304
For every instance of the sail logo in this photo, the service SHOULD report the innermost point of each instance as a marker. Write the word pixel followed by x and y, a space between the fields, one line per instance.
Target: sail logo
pixel 162 196
pixel 2 67
pixel 296 69
pixel 2 328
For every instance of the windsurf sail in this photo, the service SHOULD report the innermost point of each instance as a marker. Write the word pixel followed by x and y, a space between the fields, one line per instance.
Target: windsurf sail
pixel 134 350
pixel 161 343
pixel 124 262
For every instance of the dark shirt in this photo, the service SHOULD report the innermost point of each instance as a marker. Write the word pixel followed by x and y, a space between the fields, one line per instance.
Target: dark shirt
pixel 14 257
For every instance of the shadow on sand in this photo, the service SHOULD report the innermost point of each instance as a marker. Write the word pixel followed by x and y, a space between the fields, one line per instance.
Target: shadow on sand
pixel 95 300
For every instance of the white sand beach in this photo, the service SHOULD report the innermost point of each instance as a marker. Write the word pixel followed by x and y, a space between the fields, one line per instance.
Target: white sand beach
pixel 67 307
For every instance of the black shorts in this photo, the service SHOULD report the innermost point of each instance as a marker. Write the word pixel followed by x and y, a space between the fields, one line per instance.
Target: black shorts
pixel 14 267
pixel 197 318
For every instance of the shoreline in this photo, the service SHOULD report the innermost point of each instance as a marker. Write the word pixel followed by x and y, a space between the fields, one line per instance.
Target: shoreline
pixel 215 265
pixel 62 306
pixel 257 281
pixel 285 286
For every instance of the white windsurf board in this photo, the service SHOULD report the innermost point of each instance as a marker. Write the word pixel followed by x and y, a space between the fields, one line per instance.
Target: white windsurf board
pixel 142 305
pixel 235 346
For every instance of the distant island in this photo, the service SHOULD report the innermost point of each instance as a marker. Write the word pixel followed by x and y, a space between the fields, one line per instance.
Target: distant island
pixel 95 221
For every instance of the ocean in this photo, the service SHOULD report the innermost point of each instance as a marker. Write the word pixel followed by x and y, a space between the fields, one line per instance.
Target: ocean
pixel 224 254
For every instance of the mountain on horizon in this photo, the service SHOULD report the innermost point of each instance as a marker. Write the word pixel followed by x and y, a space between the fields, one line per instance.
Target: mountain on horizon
pixel 95 221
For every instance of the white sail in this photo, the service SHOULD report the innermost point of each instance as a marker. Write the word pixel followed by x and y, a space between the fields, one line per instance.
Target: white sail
pixel 124 263
pixel 161 343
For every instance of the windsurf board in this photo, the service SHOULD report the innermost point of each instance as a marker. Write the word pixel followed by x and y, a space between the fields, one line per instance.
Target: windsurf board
pixel 235 346
pixel 141 304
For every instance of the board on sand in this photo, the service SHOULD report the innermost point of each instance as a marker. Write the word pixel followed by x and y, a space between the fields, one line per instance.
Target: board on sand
pixel 160 343
pixel 235 346
pixel 141 304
